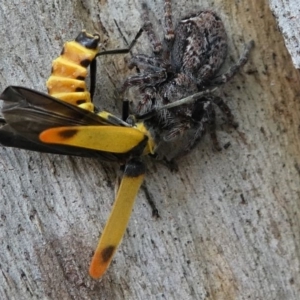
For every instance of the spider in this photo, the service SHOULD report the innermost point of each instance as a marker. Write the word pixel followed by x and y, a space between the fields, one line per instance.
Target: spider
pixel 187 61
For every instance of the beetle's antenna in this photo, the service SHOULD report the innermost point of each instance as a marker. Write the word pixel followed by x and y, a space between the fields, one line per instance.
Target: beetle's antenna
pixel 180 102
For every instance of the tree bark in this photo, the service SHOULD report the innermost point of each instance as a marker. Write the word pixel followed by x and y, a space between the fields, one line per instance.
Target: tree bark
pixel 229 221
pixel 287 15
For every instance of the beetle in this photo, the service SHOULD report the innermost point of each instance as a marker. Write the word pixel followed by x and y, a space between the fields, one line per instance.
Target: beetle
pixel 39 122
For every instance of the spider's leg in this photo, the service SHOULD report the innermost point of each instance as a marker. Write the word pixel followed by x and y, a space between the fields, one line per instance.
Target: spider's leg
pixel 204 114
pixel 148 27
pixel 169 31
pixel 212 118
pixel 212 129
pixel 235 68
pixel 147 102
pixel 143 105
pixel 169 28
pixel 146 79
pixel 225 110
pixel 142 61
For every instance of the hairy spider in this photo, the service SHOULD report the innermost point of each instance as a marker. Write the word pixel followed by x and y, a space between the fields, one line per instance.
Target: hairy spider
pixel 186 62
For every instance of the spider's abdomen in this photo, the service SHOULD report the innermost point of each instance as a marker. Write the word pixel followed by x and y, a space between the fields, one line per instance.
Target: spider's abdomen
pixel 200 46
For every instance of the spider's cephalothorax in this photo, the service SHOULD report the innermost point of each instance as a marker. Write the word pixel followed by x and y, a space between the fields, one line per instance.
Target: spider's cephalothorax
pixel 186 62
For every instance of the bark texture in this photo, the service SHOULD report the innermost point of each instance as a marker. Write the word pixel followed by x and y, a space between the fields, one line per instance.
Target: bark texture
pixel 287 14
pixel 229 225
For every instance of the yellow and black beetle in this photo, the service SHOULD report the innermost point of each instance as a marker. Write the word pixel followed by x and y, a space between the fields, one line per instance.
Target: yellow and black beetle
pixel 38 122
pixel 66 124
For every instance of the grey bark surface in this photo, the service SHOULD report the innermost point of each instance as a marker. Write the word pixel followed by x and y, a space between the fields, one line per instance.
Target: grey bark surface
pixel 287 14
pixel 229 225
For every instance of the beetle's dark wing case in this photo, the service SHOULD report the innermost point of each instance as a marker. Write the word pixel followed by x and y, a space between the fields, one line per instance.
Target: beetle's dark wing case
pixel 27 113
pixel 44 110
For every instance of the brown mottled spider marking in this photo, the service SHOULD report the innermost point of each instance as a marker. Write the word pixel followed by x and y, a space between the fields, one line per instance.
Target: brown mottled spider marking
pixel 184 63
